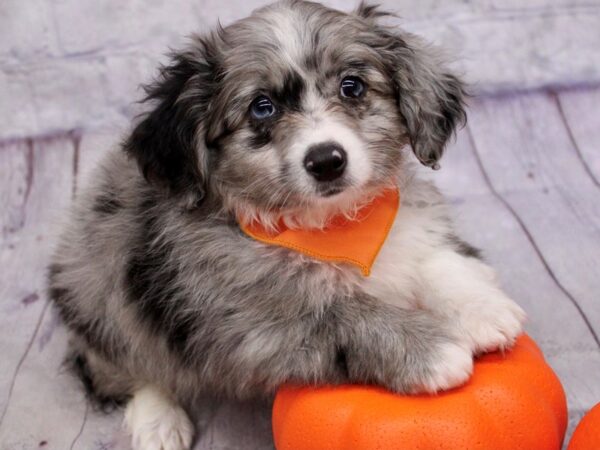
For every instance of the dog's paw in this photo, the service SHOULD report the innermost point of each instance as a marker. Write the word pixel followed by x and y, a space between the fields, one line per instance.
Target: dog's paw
pixel 492 325
pixel 451 366
pixel 156 423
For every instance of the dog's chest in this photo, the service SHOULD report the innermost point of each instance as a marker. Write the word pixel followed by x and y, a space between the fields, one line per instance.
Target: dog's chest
pixel 394 275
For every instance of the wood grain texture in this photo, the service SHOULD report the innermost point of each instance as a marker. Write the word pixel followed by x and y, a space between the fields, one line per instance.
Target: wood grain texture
pixel 16 175
pixel 525 149
pixel 44 189
pixel 70 65
pixel 484 220
pixel 488 223
pixel 522 181
pixel 579 108
pixel 47 404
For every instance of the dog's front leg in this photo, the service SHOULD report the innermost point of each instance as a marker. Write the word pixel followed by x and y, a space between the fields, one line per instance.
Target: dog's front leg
pixel 356 339
pixel 465 290
pixel 403 350
pixel 157 422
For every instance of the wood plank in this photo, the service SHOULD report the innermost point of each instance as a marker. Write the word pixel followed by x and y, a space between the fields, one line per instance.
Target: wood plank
pixel 22 304
pixel 24 250
pixel 24 255
pixel 27 252
pixel 526 151
pixel 525 154
pixel 505 50
pixel 579 108
pixel 483 219
pixel 16 176
pixel 47 406
pixel 481 216
pixel 102 431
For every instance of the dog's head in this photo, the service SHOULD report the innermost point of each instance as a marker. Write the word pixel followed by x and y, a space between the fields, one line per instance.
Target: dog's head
pixel 298 111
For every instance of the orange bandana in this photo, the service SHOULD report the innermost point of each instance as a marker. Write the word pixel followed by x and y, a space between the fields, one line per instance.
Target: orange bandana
pixel 352 241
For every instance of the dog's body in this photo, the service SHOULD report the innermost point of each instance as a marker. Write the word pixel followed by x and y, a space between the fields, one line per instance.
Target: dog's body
pixel 167 298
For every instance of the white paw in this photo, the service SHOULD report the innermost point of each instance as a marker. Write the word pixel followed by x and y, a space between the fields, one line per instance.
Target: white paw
pixel 452 367
pixel 493 324
pixel 156 423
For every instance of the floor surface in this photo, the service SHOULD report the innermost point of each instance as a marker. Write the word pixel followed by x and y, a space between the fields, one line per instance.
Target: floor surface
pixel 523 176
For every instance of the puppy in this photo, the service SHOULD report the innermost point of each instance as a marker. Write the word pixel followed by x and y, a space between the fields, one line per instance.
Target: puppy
pixel 167 298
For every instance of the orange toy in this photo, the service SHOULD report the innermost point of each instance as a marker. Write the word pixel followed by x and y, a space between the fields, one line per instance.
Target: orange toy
pixel 513 401
pixel 587 433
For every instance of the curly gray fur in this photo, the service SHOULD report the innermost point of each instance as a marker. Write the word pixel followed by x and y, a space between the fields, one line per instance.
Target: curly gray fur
pixel 154 277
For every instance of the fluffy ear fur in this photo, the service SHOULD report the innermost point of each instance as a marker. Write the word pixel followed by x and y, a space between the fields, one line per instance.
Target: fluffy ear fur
pixel 168 142
pixel 430 99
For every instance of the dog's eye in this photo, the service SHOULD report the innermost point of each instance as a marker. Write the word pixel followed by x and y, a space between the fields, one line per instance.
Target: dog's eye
pixel 352 87
pixel 262 107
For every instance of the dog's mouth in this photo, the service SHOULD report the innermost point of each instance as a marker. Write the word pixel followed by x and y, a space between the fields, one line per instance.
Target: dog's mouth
pixel 330 192
pixel 331 189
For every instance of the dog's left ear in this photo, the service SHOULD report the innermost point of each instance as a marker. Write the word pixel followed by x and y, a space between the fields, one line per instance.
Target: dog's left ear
pixel 168 142
pixel 431 99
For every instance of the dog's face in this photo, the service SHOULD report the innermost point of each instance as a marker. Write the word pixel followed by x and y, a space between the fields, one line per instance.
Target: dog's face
pixel 297 111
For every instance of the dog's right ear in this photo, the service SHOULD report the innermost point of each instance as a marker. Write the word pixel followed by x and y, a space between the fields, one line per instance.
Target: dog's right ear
pixel 168 142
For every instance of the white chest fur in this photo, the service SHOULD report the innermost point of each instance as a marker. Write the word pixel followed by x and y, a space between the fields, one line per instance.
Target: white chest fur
pixel 417 231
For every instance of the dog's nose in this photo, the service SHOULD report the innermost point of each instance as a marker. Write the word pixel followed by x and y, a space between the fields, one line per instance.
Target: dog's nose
pixel 325 161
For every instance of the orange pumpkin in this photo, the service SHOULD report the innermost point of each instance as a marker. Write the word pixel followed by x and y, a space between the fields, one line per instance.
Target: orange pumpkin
pixel 587 433
pixel 513 401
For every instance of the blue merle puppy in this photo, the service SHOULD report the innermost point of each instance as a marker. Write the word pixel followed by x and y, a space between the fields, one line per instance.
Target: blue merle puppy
pixel 298 113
